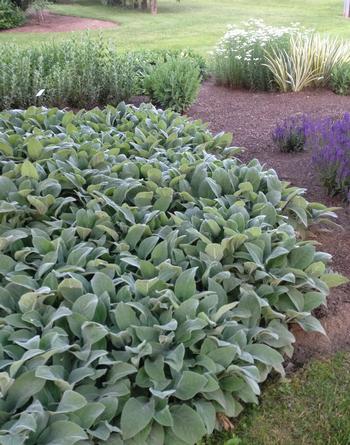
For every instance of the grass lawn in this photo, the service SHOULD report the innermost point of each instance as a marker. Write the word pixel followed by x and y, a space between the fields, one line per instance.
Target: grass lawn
pixel 197 24
pixel 311 408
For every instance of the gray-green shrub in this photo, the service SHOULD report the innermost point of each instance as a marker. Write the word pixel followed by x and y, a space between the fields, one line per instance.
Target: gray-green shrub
pixel 150 58
pixel 174 84
pixel 146 285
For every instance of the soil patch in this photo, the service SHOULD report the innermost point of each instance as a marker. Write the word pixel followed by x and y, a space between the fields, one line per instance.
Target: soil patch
pixel 61 23
pixel 251 117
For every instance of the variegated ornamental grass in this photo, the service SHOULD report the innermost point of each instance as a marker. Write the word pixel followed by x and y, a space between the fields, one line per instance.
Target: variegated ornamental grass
pixel 146 284
pixel 308 62
pixel 263 57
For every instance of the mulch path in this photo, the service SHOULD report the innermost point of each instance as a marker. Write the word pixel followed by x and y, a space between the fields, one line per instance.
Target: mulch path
pixel 251 117
pixel 61 23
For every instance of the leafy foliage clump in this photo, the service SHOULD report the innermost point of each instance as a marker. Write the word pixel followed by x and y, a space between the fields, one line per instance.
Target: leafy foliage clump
pixel 81 72
pixel 10 15
pixel 145 60
pixel 340 79
pixel 174 84
pixel 146 285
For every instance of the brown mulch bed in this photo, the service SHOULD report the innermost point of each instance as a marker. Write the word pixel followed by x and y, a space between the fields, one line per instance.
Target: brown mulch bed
pixel 61 23
pixel 251 117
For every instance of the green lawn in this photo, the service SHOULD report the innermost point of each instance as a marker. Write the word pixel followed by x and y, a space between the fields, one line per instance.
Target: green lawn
pixel 197 23
pixel 310 408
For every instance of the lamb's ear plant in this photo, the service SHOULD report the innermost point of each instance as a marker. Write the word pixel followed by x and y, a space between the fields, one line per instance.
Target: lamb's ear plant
pixel 147 278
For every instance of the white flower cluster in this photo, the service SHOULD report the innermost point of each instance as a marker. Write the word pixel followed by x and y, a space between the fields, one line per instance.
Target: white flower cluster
pixel 244 43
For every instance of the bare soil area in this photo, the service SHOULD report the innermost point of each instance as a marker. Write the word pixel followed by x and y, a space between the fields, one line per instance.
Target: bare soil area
pixel 61 23
pixel 251 117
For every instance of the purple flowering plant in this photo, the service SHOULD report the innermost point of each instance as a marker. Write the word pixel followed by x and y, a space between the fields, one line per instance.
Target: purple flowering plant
pixel 329 140
pixel 290 134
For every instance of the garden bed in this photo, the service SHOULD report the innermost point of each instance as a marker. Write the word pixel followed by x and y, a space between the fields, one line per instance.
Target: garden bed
pixel 251 117
pixel 61 23
pixel 162 279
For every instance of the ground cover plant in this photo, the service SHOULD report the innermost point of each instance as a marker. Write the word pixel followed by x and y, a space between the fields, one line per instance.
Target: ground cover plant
pixel 85 72
pixel 146 284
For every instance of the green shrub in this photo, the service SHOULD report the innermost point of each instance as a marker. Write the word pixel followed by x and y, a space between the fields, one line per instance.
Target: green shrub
pixel 79 72
pixel 174 84
pixel 150 58
pixel 145 284
pixel 340 79
pixel 10 15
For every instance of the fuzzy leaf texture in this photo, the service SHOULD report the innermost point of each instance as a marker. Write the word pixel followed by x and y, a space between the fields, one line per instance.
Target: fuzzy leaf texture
pixel 146 282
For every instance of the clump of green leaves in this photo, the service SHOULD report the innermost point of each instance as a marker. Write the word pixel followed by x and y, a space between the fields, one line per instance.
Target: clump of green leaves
pixel 10 15
pixel 146 285
pixel 79 72
pixel 174 84
pixel 340 79
pixel 83 72
pixel 151 58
